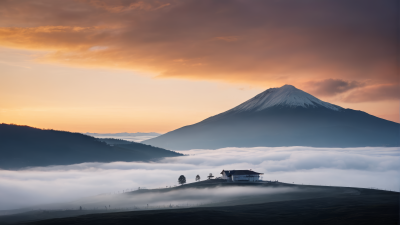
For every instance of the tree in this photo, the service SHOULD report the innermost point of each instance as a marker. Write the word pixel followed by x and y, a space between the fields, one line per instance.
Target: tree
pixel 182 179
pixel 197 178
pixel 210 176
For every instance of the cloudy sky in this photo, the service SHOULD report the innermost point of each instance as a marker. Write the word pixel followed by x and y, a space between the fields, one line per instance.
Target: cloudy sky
pixel 142 66
pixel 352 167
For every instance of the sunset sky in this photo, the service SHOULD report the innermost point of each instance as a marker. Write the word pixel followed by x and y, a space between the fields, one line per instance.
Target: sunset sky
pixel 154 66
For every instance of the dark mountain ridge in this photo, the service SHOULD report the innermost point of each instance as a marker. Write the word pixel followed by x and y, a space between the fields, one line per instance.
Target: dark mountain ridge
pixel 24 146
pixel 283 116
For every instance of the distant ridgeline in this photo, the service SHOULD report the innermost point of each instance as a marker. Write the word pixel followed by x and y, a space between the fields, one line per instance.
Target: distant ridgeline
pixel 23 146
pixel 115 141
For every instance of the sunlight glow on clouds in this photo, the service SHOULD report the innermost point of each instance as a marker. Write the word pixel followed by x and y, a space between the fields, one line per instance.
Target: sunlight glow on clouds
pixel 56 53
pixel 263 43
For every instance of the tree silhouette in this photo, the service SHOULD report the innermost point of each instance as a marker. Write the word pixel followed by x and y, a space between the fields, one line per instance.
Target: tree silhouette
pixel 182 179
pixel 210 176
pixel 197 178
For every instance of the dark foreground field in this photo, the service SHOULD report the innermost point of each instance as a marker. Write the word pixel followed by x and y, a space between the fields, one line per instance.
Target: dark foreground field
pixel 343 206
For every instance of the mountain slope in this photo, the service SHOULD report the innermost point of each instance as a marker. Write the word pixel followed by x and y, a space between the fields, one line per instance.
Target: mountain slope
pixel 283 116
pixel 23 146
pixel 287 95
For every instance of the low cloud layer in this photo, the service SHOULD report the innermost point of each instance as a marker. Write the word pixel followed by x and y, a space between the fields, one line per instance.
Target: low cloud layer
pixel 359 167
pixel 136 137
pixel 182 197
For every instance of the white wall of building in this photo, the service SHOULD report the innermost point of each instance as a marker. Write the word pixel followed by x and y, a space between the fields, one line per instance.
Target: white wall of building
pixel 250 178
pixel 245 177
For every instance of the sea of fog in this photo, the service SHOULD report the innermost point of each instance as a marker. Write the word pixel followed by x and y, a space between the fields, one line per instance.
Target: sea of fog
pixel 375 167
pixel 136 137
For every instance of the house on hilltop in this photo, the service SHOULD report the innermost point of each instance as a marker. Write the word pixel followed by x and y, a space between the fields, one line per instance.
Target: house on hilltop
pixel 241 175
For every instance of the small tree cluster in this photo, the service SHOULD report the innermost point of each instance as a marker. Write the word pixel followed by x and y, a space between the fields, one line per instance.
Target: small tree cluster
pixel 182 180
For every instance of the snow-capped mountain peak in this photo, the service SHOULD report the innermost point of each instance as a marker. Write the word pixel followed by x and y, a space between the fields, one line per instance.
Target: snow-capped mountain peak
pixel 286 96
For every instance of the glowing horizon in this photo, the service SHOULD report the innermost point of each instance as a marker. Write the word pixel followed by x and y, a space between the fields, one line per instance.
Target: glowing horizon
pixel 154 66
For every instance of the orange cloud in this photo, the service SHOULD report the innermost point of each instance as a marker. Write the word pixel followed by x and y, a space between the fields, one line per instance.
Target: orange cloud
pixel 266 43
pixel 117 6
pixel 51 37
pixel 228 38
pixel 374 93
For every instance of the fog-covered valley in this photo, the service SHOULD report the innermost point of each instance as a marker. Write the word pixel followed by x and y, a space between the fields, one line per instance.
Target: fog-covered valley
pixel 349 167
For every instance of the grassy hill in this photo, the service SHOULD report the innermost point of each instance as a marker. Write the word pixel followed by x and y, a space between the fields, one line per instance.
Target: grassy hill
pixel 306 204
pixel 24 146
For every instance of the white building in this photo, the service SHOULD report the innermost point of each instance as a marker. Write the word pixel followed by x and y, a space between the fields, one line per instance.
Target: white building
pixel 241 175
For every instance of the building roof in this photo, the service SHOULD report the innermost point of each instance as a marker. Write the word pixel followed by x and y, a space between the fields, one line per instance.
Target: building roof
pixel 239 172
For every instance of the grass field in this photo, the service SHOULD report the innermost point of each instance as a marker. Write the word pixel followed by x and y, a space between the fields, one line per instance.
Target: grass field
pixel 306 205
